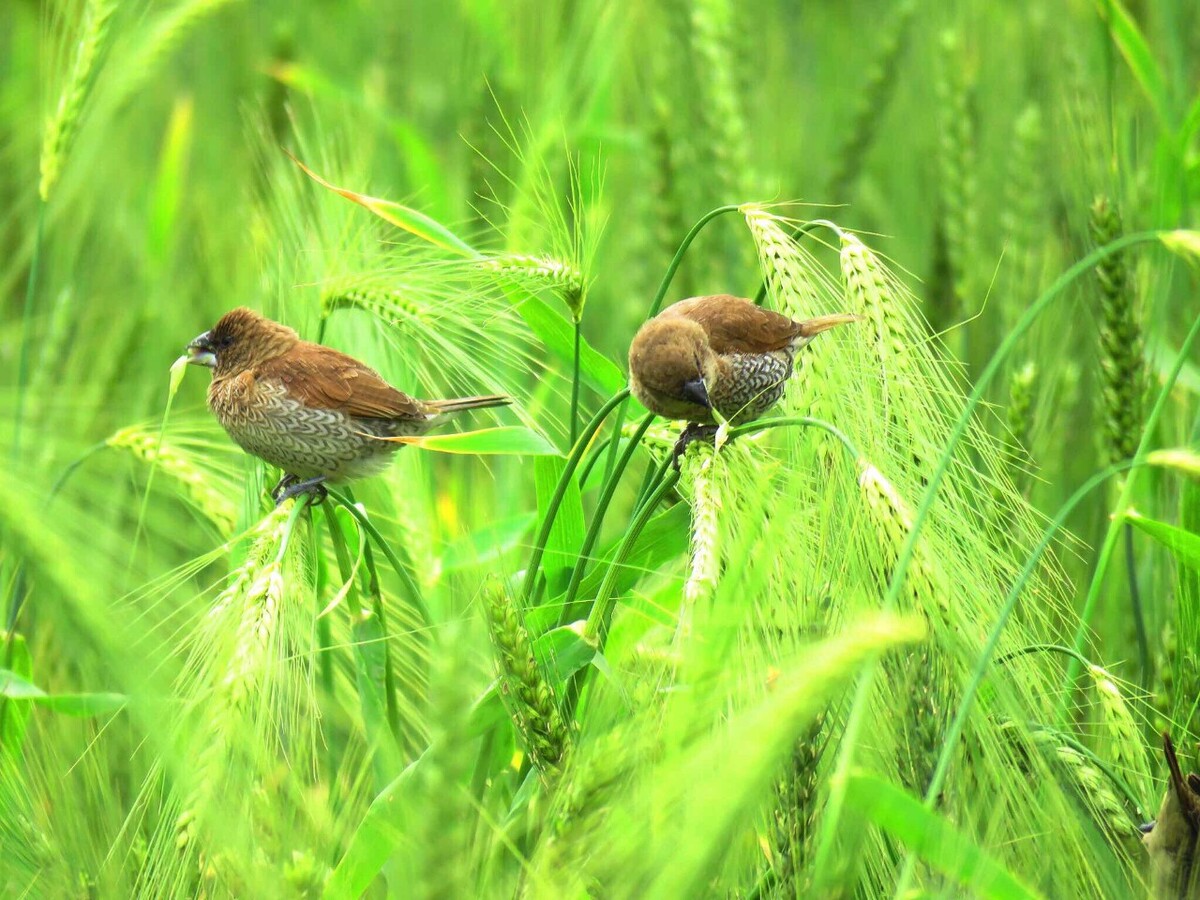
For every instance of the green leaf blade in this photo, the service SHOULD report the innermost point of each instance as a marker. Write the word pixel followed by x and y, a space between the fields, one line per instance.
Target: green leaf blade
pixel 502 441
pixel 1184 545
pixel 932 838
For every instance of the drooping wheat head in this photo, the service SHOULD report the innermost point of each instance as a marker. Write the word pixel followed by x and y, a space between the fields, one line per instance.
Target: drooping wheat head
pixel 202 485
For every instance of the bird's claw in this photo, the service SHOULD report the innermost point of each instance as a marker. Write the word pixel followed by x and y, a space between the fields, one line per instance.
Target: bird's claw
pixel 294 488
pixel 284 483
pixel 693 432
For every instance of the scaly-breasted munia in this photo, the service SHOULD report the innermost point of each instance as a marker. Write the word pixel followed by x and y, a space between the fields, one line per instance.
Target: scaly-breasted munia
pixel 718 354
pixel 315 413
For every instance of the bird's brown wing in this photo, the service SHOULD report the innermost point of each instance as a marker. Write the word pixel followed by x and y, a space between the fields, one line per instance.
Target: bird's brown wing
pixel 735 325
pixel 323 378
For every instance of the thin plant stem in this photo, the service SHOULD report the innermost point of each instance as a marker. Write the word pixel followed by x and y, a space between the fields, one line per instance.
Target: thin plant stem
pixel 951 740
pixel 358 621
pixel 403 570
pixel 1114 528
pixel 837 793
pixel 390 691
pixel 1135 606
pixel 596 627
pixel 585 471
pixel 341 553
pixel 649 480
pixel 800 422
pixel 539 544
pixel 618 423
pixel 593 532
pixel 298 509
pixel 324 631
pixel 669 275
pixel 600 615
pixel 575 385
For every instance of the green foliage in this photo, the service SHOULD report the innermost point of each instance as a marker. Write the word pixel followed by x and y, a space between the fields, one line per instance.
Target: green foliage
pixel 853 649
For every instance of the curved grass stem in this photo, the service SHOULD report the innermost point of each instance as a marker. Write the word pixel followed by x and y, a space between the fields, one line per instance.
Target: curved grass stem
pixel 827 838
pixel 596 626
pixel 950 740
pixel 1114 528
pixel 577 451
pixel 796 421
pixel 372 658
pixel 403 569
pixel 585 471
pixel 593 532
pixel 575 385
pixel 677 260
pixel 595 629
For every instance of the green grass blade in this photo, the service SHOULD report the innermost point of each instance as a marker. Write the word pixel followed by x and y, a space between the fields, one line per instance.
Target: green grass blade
pixel 411 220
pixel 1184 545
pixel 14 717
pixel 934 839
pixel 374 841
pixel 558 334
pixel 566 534
pixel 14 687
pixel 1142 64
pixel 502 441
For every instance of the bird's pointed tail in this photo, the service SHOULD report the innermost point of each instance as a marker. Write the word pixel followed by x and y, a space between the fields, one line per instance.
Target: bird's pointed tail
pixel 460 403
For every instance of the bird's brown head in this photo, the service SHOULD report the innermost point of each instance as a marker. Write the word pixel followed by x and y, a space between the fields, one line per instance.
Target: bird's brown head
pixel 671 357
pixel 240 340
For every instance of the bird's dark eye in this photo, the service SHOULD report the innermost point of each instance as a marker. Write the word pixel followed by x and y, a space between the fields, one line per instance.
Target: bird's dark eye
pixel 224 341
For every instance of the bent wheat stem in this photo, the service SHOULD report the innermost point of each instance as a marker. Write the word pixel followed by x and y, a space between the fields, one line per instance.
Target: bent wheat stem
pixel 1114 528
pixel 951 739
pixel 560 491
pixel 593 533
pixel 837 795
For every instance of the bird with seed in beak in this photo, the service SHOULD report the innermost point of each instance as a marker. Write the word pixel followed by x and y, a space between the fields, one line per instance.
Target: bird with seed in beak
pixel 719 357
pixel 315 413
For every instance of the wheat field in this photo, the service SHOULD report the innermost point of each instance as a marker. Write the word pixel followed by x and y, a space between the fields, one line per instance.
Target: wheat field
pixel 917 632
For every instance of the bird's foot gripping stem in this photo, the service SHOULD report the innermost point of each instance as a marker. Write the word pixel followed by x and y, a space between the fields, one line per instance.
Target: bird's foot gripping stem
pixel 290 486
pixel 694 432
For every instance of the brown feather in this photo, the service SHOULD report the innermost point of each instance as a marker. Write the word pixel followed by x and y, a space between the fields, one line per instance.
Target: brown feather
pixel 735 325
pixel 324 378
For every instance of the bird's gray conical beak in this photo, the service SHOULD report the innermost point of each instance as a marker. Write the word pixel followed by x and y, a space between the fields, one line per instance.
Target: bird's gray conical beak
pixel 810 328
pixel 696 392
pixel 200 352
